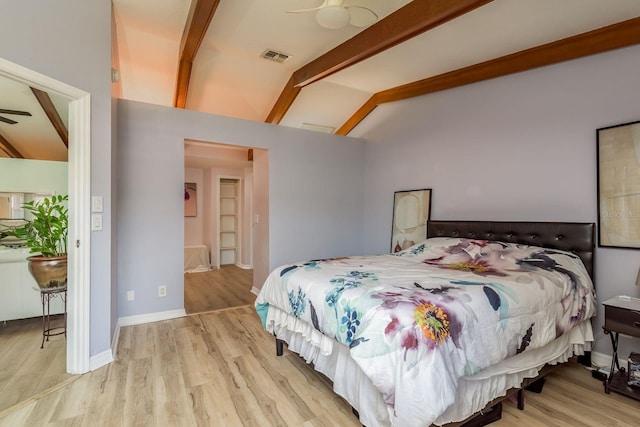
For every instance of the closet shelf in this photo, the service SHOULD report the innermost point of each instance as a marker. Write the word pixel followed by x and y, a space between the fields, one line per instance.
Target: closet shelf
pixel 228 220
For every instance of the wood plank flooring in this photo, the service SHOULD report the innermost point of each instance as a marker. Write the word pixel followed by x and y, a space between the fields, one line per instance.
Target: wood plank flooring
pixel 220 369
pixel 226 287
pixel 25 369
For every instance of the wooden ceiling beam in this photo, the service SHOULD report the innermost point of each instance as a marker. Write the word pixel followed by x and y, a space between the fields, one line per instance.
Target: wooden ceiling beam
pixel 200 16
pixel 623 34
pixel 284 102
pixel 359 115
pixel 52 113
pixel 9 149
pixel 405 23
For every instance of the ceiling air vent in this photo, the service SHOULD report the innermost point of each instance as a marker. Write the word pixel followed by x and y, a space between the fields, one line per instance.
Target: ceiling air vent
pixel 275 56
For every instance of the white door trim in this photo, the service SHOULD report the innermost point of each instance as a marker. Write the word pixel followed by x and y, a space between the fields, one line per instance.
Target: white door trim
pixel 79 188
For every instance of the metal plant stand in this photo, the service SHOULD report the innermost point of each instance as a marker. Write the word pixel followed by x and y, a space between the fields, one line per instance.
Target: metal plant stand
pixel 46 294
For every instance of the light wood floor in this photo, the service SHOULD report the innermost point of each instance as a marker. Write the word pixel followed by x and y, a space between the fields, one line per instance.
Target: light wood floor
pixel 220 369
pixel 25 369
pixel 226 287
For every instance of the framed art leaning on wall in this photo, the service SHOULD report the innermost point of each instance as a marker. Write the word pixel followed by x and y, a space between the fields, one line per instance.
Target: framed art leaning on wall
pixel 619 185
pixel 411 210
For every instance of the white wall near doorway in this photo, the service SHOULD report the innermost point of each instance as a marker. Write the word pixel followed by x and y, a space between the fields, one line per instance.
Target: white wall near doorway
pixel 193 226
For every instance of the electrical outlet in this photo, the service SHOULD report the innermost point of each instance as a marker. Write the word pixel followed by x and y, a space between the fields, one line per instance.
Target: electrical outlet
pixel 162 291
pixel 131 295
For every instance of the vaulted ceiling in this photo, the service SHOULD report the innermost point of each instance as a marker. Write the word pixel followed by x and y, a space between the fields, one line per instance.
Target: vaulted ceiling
pixel 33 123
pixel 205 55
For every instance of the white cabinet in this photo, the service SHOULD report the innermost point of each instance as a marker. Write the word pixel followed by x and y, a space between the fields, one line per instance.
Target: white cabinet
pixel 228 221
pixel 19 298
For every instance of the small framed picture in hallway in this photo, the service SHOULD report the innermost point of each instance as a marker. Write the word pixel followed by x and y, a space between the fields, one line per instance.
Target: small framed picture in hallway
pixel 190 199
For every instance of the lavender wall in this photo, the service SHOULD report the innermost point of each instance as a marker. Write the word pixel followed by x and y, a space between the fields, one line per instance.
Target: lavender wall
pixel 314 196
pixel 70 41
pixel 521 147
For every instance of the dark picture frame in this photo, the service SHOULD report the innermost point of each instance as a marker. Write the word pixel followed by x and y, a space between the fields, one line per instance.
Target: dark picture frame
pixel 618 153
pixel 411 211
pixel 190 199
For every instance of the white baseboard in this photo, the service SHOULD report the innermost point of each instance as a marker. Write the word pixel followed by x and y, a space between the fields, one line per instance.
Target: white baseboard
pixel 600 359
pixel 151 317
pixel 255 290
pixel 115 340
pixel 245 266
pixel 107 356
pixel 100 359
pixel 603 361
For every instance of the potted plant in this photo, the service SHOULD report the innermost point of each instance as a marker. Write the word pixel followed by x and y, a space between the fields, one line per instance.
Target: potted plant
pixel 46 235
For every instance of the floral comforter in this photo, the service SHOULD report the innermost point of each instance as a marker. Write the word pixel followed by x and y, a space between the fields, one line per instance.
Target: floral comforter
pixel 418 320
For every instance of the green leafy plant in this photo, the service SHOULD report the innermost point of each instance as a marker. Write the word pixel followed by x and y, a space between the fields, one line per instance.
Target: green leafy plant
pixel 47 232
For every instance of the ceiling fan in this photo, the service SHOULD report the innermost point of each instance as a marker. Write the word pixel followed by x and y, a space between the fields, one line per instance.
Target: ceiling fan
pixel 334 14
pixel 16 112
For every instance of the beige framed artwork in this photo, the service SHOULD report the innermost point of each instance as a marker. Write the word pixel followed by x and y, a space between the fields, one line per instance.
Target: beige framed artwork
pixel 619 185
pixel 411 210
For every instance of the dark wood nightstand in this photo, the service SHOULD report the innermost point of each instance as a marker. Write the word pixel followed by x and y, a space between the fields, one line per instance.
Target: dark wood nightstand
pixel 621 316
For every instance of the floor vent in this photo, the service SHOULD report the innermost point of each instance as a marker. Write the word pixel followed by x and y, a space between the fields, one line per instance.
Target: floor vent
pixel 275 56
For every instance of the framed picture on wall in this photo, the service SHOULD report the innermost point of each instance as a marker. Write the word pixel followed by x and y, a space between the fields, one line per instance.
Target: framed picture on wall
pixel 190 199
pixel 411 210
pixel 619 185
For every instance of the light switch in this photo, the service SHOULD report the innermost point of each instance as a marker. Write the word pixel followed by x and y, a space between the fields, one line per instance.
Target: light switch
pixel 96 204
pixel 96 222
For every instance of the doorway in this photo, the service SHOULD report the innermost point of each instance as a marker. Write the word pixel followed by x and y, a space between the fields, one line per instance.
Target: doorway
pixel 222 227
pixel 79 187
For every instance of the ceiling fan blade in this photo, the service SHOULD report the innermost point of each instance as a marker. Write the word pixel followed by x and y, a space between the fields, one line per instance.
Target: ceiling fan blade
pixel 361 16
pixel 4 119
pixel 324 4
pixel 19 113
pixel 304 10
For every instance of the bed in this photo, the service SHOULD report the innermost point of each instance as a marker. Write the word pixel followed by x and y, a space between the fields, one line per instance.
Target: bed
pixel 436 333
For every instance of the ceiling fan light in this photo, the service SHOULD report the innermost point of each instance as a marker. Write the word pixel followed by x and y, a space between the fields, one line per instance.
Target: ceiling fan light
pixel 333 17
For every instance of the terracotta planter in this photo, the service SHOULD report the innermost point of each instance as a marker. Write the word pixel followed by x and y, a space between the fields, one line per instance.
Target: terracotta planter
pixel 49 272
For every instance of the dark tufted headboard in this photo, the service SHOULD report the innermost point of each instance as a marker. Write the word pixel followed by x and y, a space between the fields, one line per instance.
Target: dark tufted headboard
pixel 576 237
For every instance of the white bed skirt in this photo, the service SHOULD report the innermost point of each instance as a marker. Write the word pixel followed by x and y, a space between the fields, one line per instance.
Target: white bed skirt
pixel 474 392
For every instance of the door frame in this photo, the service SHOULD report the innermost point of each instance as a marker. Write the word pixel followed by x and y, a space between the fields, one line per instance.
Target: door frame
pixel 79 190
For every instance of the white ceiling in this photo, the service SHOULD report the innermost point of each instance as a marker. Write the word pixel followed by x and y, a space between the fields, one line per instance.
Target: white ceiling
pixel 229 78
pixel 33 136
